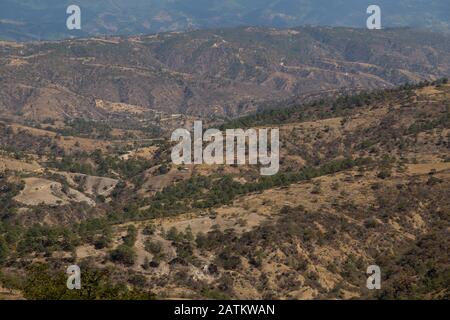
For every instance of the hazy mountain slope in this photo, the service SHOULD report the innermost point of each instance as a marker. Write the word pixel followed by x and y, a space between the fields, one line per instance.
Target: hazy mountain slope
pixel 216 72
pixel 45 19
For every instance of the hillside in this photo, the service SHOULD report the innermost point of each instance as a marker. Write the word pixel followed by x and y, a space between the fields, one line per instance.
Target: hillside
pixel 214 73
pixel 364 180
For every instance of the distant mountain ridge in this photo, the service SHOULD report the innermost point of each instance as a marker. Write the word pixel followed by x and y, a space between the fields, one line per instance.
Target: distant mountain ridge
pixel 24 20
pixel 221 72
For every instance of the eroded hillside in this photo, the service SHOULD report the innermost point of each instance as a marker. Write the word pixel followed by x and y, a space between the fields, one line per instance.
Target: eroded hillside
pixel 223 72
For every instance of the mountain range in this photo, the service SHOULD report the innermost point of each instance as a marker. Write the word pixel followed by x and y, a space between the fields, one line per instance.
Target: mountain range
pixel 211 73
pixel 46 19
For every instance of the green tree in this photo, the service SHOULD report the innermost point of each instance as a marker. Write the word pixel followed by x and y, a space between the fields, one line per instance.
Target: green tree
pixel 131 236
pixel 3 250
pixel 42 283
pixel 173 234
pixel 188 235
pixel 123 254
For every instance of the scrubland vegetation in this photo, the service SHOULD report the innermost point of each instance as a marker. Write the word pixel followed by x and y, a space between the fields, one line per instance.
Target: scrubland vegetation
pixel 363 181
